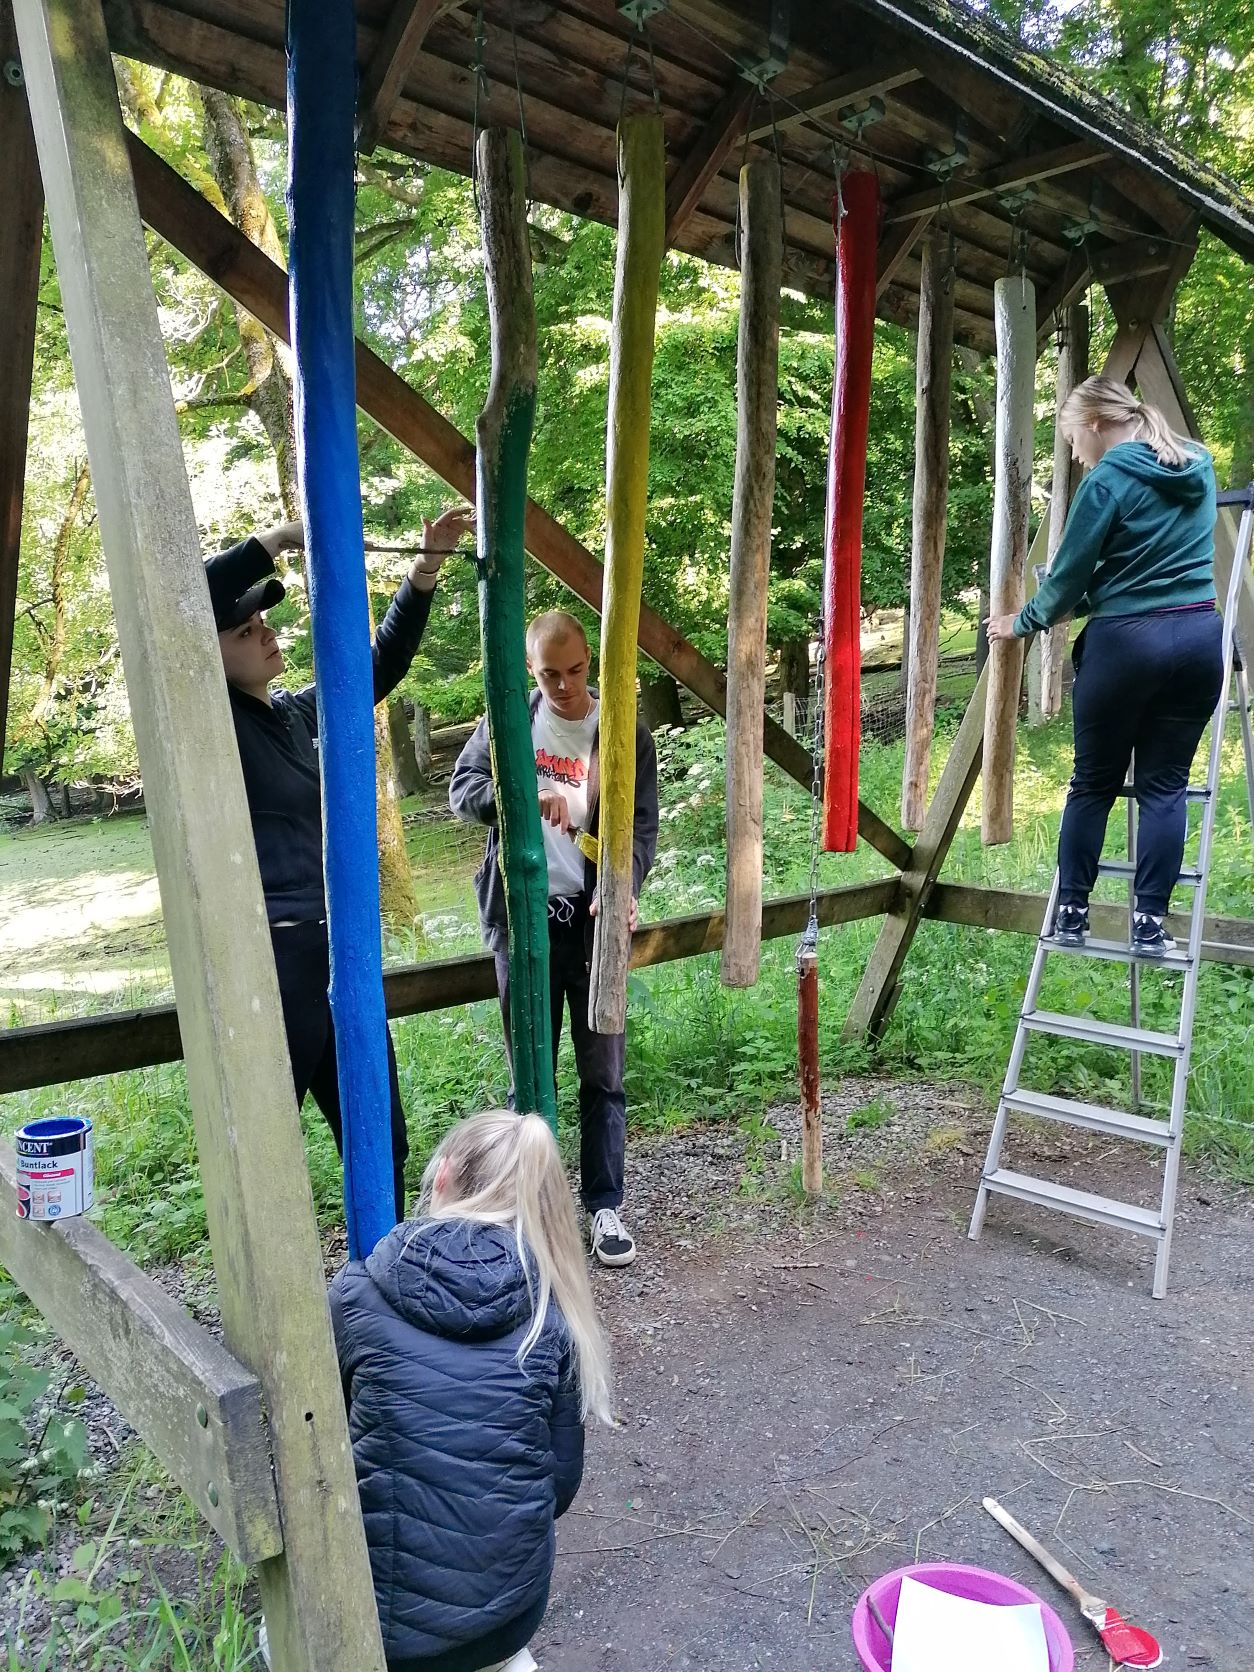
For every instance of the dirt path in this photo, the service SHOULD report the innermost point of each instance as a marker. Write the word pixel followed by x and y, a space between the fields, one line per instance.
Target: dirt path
pixel 806 1409
pixel 809 1397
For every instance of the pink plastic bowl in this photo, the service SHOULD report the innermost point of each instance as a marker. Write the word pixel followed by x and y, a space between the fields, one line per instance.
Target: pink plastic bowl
pixel 976 1584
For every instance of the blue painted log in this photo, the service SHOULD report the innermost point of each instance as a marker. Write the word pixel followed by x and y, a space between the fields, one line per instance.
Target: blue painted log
pixel 321 106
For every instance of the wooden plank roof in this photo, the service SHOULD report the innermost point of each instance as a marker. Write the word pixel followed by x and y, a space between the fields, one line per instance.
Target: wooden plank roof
pixel 1093 191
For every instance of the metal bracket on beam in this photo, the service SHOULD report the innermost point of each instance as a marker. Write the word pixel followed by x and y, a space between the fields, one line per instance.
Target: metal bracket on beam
pixel 856 121
pixel 1075 232
pixel 943 165
pixel 1014 203
pixel 640 11
pixel 762 71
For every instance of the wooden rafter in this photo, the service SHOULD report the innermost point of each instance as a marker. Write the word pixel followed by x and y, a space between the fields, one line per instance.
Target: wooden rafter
pixel 707 155
pixel 384 77
pixel 866 82
pixel 1122 262
pixel 21 216
pixel 1007 177
pixel 896 246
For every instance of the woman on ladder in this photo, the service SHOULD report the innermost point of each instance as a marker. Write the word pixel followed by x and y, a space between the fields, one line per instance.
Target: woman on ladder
pixel 1138 558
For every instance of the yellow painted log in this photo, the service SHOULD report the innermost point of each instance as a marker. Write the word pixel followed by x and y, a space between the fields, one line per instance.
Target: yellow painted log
pixel 641 245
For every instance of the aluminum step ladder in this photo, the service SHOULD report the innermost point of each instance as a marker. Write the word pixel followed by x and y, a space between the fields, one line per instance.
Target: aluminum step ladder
pixel 1163 1133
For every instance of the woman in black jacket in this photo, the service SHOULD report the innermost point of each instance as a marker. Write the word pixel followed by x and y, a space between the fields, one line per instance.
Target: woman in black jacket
pixel 277 733
pixel 471 1355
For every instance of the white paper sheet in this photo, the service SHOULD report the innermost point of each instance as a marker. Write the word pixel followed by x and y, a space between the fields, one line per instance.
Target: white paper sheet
pixel 936 1632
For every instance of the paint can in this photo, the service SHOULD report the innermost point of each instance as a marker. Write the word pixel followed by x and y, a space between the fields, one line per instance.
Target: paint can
pixel 54 1168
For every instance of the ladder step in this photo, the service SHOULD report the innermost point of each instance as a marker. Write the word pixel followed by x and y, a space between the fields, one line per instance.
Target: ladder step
pixel 1115 1123
pixel 1117 952
pixel 1101 1210
pixel 1118 1034
pixel 1189 877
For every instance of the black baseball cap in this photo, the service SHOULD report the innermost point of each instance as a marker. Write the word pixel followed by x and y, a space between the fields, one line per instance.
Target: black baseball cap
pixel 241 582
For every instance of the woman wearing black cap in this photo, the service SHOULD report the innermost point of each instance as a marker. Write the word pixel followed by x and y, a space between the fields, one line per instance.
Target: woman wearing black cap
pixel 277 733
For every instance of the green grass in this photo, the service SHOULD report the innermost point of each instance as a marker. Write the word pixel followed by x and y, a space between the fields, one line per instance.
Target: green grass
pixel 696 1050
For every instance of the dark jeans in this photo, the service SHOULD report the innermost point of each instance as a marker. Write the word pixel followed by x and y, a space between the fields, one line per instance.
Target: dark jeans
pixel 1144 685
pixel 598 1058
pixel 497 1646
pixel 302 959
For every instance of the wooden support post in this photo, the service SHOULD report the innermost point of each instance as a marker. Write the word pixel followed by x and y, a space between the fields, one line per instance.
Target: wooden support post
pixel 933 381
pixel 318 1595
pixel 757 398
pixel 808 1064
pixel 503 434
pixel 180 215
pixel 22 218
pixel 1048 651
pixel 641 245
pixel 1015 302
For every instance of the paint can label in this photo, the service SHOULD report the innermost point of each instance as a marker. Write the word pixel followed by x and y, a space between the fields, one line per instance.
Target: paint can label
pixel 54 1168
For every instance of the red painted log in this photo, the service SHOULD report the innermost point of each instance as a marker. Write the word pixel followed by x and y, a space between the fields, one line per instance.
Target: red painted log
pixel 808 1062
pixel 856 239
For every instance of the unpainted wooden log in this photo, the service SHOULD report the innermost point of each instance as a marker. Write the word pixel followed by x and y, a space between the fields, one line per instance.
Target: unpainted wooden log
pixel 933 381
pixel 1073 368
pixel 757 399
pixel 1014 301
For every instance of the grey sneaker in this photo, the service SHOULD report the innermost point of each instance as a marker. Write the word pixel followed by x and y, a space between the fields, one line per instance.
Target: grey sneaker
pixel 1071 925
pixel 610 1240
pixel 1149 938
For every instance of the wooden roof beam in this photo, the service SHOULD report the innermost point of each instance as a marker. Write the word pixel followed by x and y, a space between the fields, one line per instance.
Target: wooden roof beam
pixel 707 155
pixel 384 76
pixel 1134 260
pixel 1008 177
pixel 863 83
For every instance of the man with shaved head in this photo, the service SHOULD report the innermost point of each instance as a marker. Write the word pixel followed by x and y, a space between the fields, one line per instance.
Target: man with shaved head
pixel 565 717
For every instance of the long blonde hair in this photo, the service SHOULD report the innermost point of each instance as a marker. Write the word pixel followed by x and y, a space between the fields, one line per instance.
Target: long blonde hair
pixel 1103 401
pixel 505 1169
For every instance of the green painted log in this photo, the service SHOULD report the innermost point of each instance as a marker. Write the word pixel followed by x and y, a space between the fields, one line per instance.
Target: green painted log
pixel 641 246
pixel 503 437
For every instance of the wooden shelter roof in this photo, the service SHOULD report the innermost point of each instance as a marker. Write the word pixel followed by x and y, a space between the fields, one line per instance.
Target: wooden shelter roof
pixel 1095 193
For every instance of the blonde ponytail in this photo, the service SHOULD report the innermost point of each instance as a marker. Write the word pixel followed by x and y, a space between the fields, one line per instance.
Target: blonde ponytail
pixel 505 1169
pixel 1110 405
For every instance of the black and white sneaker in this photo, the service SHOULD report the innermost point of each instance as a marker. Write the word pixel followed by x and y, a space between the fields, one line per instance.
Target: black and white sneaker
pixel 1071 925
pixel 1149 938
pixel 611 1242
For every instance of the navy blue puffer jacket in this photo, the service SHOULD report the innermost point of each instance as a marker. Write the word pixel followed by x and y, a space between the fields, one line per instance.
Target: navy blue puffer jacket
pixel 463 1459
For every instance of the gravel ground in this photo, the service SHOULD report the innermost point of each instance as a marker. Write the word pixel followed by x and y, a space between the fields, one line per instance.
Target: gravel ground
pixel 811 1394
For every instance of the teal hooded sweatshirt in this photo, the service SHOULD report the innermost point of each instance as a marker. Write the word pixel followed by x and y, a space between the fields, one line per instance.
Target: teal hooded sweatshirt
pixel 1140 537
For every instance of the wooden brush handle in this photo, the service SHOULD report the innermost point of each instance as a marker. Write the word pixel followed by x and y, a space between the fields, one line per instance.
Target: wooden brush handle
pixel 1088 1602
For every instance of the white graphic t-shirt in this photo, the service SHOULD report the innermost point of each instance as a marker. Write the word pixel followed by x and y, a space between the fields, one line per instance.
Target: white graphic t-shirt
pixel 563 754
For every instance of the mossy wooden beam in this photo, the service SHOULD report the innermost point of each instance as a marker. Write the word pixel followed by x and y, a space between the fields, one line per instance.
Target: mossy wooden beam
pixel 1014 299
pixel 753 499
pixel 641 245
pixel 503 436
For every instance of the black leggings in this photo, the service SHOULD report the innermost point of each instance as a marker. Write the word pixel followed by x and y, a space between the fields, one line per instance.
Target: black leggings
pixel 1145 685
pixel 302 959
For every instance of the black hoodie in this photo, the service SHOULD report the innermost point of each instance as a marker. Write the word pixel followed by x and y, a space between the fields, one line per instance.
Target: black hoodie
pixel 464 1459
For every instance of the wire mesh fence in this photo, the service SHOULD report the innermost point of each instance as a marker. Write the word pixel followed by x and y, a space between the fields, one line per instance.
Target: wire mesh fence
pixel 883 700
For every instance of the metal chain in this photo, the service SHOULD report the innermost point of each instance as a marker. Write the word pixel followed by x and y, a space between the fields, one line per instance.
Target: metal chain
pixel 522 115
pixel 479 75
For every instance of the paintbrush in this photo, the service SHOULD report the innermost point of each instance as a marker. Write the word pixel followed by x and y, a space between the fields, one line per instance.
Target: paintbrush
pixel 1126 1645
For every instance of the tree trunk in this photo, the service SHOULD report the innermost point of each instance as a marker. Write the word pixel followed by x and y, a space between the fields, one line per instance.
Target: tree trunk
pixel 422 742
pixel 794 669
pixel 41 810
pixel 66 808
pixel 269 362
pixel 659 701
pixel 54 644
pixel 405 772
